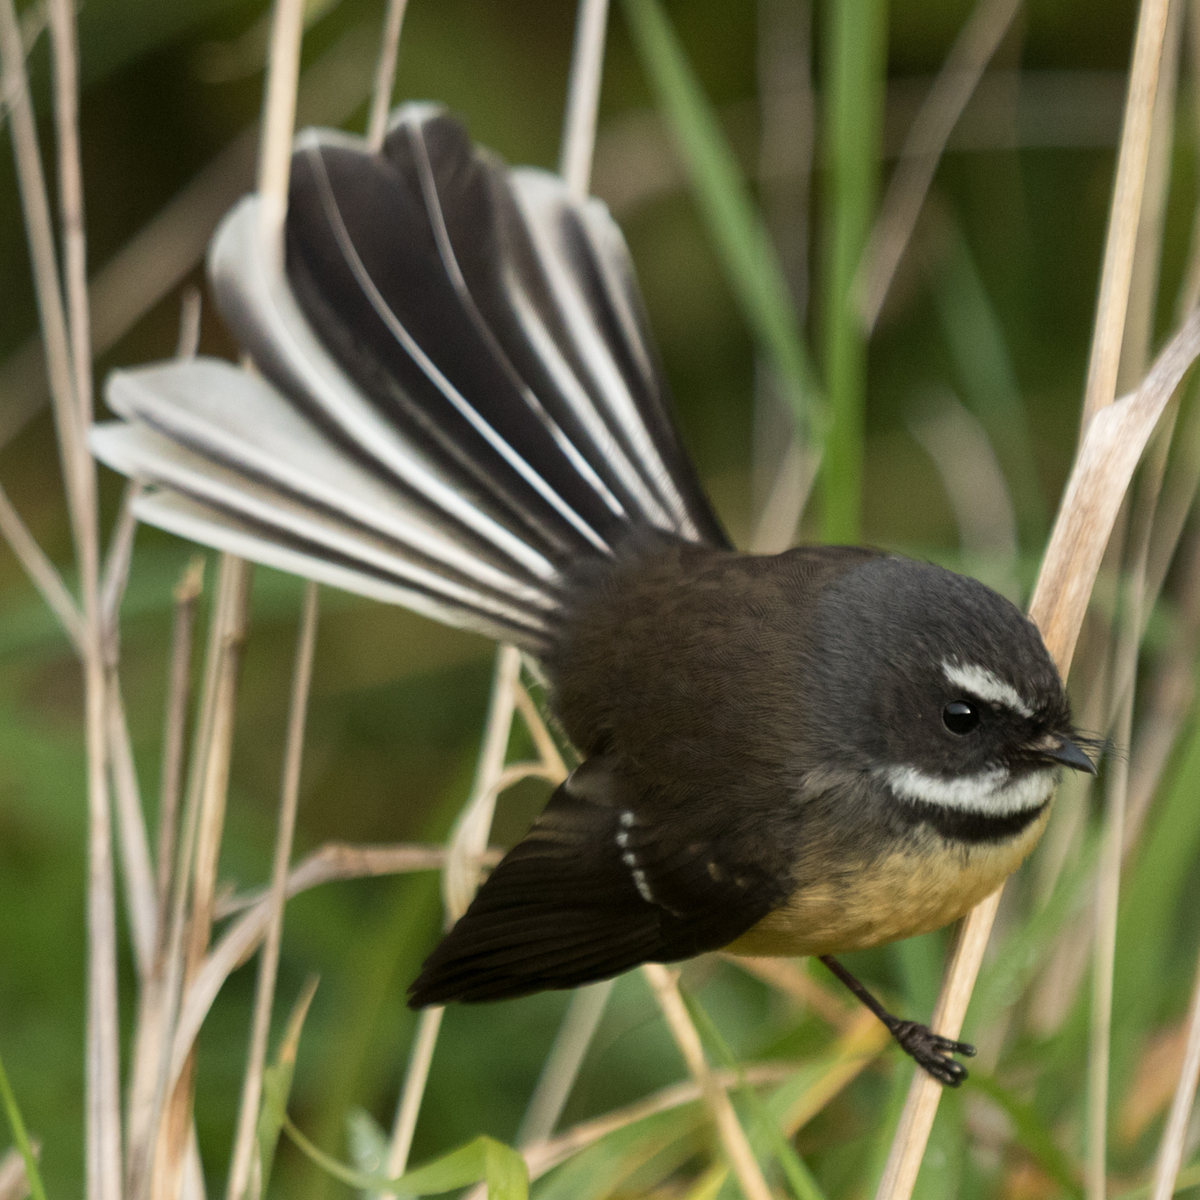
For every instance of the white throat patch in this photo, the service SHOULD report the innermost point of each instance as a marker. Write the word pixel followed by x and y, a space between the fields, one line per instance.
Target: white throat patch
pixel 992 792
pixel 985 685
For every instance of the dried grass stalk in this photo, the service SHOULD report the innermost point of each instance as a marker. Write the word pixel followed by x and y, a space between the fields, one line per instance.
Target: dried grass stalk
pixel 170 245
pixel 416 1077
pixel 544 1156
pixel 69 370
pixel 973 49
pixel 335 861
pixel 1126 210
pixel 583 97
pixel 664 985
pixel 385 73
pixel 137 870
pixel 244 1143
pixel 41 571
pixel 14 1184
pixel 1112 446
pixel 207 804
pixel 563 1062
pixel 1171 1147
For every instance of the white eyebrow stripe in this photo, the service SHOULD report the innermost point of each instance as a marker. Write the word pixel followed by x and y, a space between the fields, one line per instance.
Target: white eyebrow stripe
pixel 991 792
pixel 982 683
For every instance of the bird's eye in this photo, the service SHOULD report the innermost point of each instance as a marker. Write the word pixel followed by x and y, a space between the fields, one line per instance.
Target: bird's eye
pixel 960 717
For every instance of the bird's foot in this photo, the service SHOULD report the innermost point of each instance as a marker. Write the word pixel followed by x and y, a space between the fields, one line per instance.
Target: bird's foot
pixel 931 1051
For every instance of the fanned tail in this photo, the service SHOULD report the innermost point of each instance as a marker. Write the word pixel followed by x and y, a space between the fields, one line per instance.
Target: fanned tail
pixel 459 392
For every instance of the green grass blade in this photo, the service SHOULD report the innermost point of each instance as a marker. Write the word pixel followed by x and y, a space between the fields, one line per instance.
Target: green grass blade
pixel 368 1146
pixel 1031 1133
pixel 645 1153
pixel 1189 1177
pixel 1003 980
pixel 481 1160
pixel 977 345
pixel 856 57
pixel 277 1083
pixel 739 235
pixel 21 1136
pixel 1154 896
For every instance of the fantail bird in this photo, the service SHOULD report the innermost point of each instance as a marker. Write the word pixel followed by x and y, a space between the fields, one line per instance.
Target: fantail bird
pixel 461 410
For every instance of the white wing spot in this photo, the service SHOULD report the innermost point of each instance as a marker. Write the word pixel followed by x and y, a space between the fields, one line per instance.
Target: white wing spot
pixel 622 838
pixel 627 818
pixel 986 685
pixel 639 879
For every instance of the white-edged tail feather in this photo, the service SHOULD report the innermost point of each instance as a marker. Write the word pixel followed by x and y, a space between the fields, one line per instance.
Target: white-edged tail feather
pixel 459 394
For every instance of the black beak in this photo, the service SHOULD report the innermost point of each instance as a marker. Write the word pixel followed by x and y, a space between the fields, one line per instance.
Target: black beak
pixel 1071 756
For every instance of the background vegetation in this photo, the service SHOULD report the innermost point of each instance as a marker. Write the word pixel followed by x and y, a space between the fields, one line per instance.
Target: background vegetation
pixel 993 305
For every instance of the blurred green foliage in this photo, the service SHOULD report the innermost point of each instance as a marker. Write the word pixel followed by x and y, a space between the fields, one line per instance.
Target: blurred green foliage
pixel 1001 319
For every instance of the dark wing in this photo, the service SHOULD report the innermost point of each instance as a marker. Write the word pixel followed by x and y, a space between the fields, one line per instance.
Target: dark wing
pixel 597 887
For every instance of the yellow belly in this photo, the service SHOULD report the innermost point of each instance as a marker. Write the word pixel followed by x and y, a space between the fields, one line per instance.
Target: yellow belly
pixel 898 896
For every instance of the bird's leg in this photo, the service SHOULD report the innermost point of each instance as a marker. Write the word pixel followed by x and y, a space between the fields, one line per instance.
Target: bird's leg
pixel 929 1050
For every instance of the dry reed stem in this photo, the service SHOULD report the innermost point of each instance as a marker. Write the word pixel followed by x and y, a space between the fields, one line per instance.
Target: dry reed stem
pixel 544 1156
pixel 186 594
pixel 583 97
pixel 1125 215
pixel 787 499
pixel 460 879
pixel 61 15
pixel 42 572
pixel 170 245
pixel 336 861
pixel 973 49
pixel 554 768
pixel 962 453
pixel 73 417
pixel 230 618
pixel 468 838
pixel 1112 446
pixel 115 575
pixel 562 1064
pixel 147 1167
pixel 190 310
pixel 1169 695
pixel 332 862
pixel 1143 284
pixel 279 118
pixel 35 208
pixel 150 1031
pixel 1171 1146
pixel 226 642
pixel 1108 878
pixel 268 967
pixel 14 1185
pixel 385 74
pixel 136 867
pixel 1189 287
pixel 665 987
pixel 416 1076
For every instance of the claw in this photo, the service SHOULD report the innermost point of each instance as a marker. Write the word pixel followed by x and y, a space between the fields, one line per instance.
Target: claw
pixel 932 1052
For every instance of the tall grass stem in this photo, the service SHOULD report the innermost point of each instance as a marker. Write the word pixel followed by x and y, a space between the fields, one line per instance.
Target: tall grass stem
pixel 856 58
pixel 268 964
pixel 1125 214
pixel 583 97
pixel 385 74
